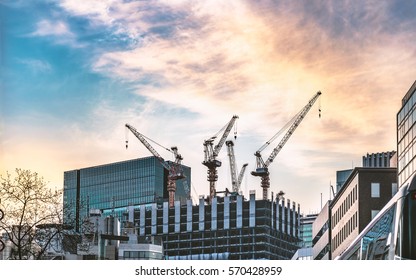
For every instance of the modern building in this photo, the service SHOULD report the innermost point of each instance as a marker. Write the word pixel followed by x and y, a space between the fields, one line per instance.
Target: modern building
pixel 342 176
pixel 306 222
pixel 115 186
pixel 305 252
pixel 230 227
pixel 363 195
pixel 321 234
pixel 406 137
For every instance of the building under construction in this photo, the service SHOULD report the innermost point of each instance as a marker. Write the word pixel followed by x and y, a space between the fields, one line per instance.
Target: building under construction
pixel 229 227
pixel 219 227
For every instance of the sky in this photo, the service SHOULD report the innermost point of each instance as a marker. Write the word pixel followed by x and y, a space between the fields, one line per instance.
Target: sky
pixel 73 73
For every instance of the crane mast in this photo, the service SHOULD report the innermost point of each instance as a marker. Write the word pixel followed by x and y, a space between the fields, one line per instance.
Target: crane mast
pixel 211 152
pixel 235 181
pixel 174 168
pixel 261 165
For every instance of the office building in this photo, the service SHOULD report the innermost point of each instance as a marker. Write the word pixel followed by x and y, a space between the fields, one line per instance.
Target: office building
pixel 229 227
pixel 115 186
pixel 363 195
pixel 342 176
pixel 306 222
pixel 321 234
pixel 305 252
pixel 406 135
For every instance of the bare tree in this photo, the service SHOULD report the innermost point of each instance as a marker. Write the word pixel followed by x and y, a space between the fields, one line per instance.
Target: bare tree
pixel 32 219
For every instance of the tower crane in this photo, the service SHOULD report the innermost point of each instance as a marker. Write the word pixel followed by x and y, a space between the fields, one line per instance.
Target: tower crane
pixel 235 181
pixel 261 165
pixel 174 168
pixel 211 152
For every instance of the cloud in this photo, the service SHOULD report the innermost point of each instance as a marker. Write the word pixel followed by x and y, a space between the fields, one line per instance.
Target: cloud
pixel 196 63
pixel 37 65
pixel 48 28
pixel 58 30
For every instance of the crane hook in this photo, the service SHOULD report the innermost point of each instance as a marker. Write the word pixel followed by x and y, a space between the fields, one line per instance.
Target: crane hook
pixel 235 131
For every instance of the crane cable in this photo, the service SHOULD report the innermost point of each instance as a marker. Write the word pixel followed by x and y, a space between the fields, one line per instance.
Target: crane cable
pixel 127 140
pixel 223 129
pixel 289 123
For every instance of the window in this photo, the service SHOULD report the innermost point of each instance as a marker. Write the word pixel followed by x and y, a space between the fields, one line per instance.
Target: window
pixel 393 189
pixel 375 189
pixel 374 213
pixel 407 229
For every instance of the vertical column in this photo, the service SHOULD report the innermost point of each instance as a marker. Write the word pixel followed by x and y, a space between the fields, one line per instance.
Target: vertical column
pixel 227 212
pixel 131 214
pixel 165 217
pixel 298 231
pixel 214 213
pixel 201 214
pixel 177 216
pixel 277 214
pixel 283 215
pixel 294 218
pixel 189 215
pixel 154 219
pixel 77 202
pixel 272 211
pixel 252 209
pixel 142 220
pixel 239 211
pixel 289 218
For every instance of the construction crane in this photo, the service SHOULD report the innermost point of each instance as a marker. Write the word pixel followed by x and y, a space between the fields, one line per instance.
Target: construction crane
pixel 261 165
pixel 174 168
pixel 211 152
pixel 235 181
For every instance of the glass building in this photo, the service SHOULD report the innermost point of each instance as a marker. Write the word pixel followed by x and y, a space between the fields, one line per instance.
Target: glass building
pixel 406 134
pixel 306 229
pixel 115 186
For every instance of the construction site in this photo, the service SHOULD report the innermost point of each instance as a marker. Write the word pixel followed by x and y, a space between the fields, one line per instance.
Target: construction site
pixel 151 197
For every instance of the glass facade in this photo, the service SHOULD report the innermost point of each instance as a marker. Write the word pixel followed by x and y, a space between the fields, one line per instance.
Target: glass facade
pixel 142 255
pixel 113 187
pixel 306 223
pixel 342 176
pixel 406 134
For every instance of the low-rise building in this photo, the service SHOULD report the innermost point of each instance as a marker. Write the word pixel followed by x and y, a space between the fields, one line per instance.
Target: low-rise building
pixel 363 195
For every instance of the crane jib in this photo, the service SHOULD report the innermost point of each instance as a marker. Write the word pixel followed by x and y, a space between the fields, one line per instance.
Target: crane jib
pixel 262 166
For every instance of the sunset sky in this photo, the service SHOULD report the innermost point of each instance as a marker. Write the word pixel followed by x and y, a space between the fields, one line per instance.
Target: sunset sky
pixel 74 72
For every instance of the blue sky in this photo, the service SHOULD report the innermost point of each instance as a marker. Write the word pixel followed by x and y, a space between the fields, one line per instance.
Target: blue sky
pixel 74 72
